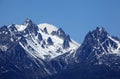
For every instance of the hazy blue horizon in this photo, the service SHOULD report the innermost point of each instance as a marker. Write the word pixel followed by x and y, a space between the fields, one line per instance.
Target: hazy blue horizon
pixel 76 17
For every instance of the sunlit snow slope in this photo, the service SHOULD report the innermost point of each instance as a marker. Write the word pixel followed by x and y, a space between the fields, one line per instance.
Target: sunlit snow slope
pixel 43 44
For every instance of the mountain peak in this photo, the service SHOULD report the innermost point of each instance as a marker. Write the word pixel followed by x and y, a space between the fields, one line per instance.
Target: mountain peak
pixel 61 33
pixel 50 28
pixel 98 43
pixel 66 42
pixel 99 30
pixel 28 21
pixel 98 33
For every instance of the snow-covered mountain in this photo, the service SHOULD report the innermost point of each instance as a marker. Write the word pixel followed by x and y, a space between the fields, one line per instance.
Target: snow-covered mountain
pixel 43 51
pixel 32 46
pixel 97 44
pixel 39 40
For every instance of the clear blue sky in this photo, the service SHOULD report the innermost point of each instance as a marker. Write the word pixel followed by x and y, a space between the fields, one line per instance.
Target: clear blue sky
pixel 76 17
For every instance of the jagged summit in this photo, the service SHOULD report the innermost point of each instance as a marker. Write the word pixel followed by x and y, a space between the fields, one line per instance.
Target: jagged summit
pixel 50 28
pixel 98 43
pixel 28 21
pixel 28 24
pixel 99 31
pixel 99 34
pixel 22 27
pixel 61 33
pixel 38 40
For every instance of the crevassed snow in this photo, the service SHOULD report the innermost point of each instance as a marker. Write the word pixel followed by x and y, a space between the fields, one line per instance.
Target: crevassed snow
pixel 49 27
pixel 20 27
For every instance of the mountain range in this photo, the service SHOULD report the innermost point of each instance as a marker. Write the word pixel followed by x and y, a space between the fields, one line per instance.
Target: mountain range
pixel 43 51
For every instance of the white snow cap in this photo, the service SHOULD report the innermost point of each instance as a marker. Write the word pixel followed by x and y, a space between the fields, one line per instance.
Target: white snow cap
pixel 23 26
pixel 20 27
pixel 49 27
